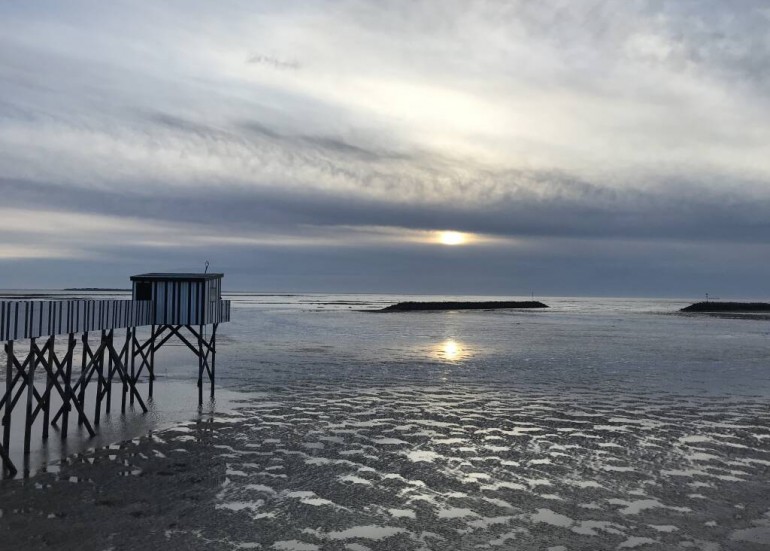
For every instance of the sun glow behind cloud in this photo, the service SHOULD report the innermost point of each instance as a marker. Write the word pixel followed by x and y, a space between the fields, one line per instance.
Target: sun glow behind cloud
pixel 453 238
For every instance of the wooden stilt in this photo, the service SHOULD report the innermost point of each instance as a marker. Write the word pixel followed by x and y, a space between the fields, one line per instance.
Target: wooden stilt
pixel 54 371
pixel 125 351
pixel 30 382
pixel 213 348
pixel 132 358
pixel 124 386
pixel 120 369
pixel 138 349
pixel 87 370
pixel 200 366
pixel 110 376
pixel 82 382
pixel 151 364
pixel 8 467
pixel 71 343
pixel 48 386
pixel 100 383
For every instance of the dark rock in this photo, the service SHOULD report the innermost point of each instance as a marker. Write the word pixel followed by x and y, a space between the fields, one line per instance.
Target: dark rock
pixel 488 305
pixel 727 307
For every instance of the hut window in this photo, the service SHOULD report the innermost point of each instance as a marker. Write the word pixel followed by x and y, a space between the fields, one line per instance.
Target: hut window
pixel 144 290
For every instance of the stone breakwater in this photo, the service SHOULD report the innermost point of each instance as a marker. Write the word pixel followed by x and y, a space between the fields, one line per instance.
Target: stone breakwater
pixel 462 305
pixel 728 307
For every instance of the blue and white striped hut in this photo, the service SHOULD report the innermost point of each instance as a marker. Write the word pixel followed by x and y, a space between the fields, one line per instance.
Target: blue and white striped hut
pixel 182 299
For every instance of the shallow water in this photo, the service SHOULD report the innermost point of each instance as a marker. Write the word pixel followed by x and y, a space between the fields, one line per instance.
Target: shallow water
pixel 596 424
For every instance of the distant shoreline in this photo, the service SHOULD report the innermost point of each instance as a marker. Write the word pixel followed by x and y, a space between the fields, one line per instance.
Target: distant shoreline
pixel 96 289
pixel 443 306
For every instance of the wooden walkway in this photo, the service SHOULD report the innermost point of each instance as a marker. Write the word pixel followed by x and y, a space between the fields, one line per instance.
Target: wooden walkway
pixel 111 353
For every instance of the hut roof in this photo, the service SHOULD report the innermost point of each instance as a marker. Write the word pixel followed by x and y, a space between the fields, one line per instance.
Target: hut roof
pixel 175 277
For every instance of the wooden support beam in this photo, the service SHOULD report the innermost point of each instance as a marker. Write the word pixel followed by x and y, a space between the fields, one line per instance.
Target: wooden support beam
pixel 82 380
pixel 53 369
pixel 176 331
pixel 88 367
pixel 9 468
pixel 132 359
pixel 67 397
pixel 201 361
pixel 213 349
pixel 78 389
pixel 46 404
pixel 21 374
pixel 30 383
pixel 65 389
pixel 205 351
pixel 151 364
pixel 124 387
pixel 68 393
pixel 144 357
pixel 166 338
pixel 101 384
pixel 108 382
pixel 124 376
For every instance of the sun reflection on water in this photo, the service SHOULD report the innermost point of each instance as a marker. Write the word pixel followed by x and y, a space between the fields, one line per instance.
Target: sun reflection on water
pixel 450 350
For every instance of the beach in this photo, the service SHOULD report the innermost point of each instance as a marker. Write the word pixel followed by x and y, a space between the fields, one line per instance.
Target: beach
pixel 597 424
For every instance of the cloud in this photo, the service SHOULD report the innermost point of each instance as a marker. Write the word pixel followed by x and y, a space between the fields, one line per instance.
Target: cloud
pixel 365 125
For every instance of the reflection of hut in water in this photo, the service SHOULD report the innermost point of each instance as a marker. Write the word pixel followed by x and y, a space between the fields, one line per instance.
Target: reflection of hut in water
pixel 180 305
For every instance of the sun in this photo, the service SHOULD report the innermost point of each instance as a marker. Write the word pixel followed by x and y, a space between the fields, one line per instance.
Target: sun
pixel 452 238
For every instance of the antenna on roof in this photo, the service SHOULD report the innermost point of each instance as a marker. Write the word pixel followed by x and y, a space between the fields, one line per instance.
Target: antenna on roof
pixel 207 268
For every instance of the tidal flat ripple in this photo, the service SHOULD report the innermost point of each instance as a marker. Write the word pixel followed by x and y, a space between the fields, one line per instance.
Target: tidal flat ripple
pixel 422 468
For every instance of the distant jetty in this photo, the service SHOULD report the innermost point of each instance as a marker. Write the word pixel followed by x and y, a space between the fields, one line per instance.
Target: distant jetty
pixel 734 307
pixel 438 306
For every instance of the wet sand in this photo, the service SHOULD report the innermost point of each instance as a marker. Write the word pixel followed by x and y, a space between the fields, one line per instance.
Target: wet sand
pixel 389 468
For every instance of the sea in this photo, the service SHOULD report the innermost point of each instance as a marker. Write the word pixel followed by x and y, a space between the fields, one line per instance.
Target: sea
pixel 597 423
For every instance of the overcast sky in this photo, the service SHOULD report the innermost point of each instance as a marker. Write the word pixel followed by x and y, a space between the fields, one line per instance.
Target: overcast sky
pixel 585 147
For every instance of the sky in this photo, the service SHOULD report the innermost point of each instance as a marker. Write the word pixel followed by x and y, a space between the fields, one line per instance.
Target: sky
pixel 579 147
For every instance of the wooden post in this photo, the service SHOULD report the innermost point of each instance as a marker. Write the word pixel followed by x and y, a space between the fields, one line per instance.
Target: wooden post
pixel 200 365
pixel 82 383
pixel 30 382
pixel 108 390
pixel 151 366
pixel 8 394
pixel 132 356
pixel 122 371
pixel 48 387
pixel 71 343
pixel 123 377
pixel 125 353
pixel 8 465
pixel 213 356
pixel 100 386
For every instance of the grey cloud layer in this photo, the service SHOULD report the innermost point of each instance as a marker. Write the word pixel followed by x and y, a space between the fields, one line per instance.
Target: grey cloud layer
pixel 554 125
